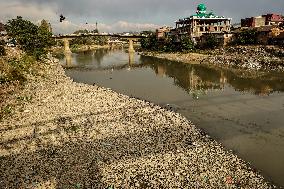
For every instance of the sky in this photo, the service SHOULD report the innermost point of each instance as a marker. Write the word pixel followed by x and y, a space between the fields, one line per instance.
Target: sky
pixel 128 15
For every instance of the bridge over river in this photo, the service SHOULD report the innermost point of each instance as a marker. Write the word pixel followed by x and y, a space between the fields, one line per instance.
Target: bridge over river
pixel 67 37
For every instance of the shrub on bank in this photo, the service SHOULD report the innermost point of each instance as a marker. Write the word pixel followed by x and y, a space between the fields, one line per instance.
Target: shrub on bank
pixel 2 48
pixel 16 69
pixel 170 44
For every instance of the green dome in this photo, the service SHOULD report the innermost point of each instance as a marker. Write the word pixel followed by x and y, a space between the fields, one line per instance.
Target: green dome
pixel 201 7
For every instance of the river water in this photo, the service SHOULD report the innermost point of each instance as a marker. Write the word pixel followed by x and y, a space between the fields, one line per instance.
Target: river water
pixel 242 110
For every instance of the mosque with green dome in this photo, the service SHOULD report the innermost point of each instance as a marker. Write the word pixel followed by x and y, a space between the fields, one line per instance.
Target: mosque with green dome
pixel 203 22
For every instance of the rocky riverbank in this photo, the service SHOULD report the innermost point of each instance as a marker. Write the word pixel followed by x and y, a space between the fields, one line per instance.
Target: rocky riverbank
pixel 62 134
pixel 270 58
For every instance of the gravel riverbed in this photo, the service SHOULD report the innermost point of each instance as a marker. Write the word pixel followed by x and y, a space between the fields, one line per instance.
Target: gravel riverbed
pixel 252 58
pixel 70 135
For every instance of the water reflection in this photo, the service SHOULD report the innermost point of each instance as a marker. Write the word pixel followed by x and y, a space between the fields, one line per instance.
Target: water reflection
pixel 202 78
pixel 68 60
pixel 195 79
pixel 131 58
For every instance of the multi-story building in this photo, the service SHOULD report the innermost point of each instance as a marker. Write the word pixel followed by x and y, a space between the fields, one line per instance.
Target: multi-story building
pixel 253 22
pixel 163 32
pixel 273 19
pixel 200 23
pixel 264 20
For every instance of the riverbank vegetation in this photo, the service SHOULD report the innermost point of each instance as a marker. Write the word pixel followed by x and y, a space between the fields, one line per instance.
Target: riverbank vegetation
pixel 170 44
pixel 18 63
pixel 32 39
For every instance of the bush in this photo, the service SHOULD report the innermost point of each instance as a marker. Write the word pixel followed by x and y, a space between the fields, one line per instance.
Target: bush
pixel 150 43
pixel 16 69
pixel 32 39
pixel 211 42
pixel 246 37
pixel 2 50
pixel 170 44
pixel 187 44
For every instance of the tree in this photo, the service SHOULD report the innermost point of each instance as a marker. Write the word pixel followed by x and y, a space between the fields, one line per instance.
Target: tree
pixel 149 43
pixel 44 24
pixel 32 39
pixel 187 44
pixel 246 37
pixel 211 42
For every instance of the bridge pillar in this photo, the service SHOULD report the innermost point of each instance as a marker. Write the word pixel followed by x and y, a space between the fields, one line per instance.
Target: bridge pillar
pixel 66 46
pixel 131 48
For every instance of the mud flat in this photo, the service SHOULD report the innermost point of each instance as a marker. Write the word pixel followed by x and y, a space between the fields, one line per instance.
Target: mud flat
pixel 64 134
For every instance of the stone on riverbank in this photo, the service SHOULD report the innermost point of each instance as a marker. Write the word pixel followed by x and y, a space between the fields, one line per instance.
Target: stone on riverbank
pixel 68 135
pixel 244 57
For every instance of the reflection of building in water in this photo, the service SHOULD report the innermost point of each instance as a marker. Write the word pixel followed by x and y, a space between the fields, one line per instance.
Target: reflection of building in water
pixel 68 58
pixel 193 79
pixel 265 90
pixel 202 78
pixel 223 79
pixel 161 71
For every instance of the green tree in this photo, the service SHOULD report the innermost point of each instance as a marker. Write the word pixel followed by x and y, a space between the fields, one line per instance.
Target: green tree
pixel 187 44
pixel 211 42
pixel 44 24
pixel 149 43
pixel 246 37
pixel 34 40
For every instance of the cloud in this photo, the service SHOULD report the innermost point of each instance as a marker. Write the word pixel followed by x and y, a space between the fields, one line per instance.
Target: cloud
pixel 11 9
pixel 120 26
pixel 111 14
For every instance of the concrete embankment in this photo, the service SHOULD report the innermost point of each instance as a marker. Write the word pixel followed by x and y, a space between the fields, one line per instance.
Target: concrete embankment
pixel 65 135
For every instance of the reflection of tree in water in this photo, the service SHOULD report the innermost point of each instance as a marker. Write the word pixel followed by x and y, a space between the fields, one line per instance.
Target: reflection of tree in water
pixel 95 56
pixel 99 55
pixel 261 85
pixel 194 80
pixel 197 79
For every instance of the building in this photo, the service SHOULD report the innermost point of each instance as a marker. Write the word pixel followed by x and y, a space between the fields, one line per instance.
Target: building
pixel 264 20
pixel 273 19
pixel 163 32
pixel 200 23
pixel 253 22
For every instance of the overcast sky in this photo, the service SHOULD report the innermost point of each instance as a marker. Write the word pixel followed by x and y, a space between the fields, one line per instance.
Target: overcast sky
pixel 128 15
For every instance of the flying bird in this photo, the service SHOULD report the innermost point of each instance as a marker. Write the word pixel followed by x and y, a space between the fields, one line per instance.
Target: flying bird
pixel 62 18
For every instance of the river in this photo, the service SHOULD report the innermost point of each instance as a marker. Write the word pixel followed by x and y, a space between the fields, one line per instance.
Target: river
pixel 242 110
